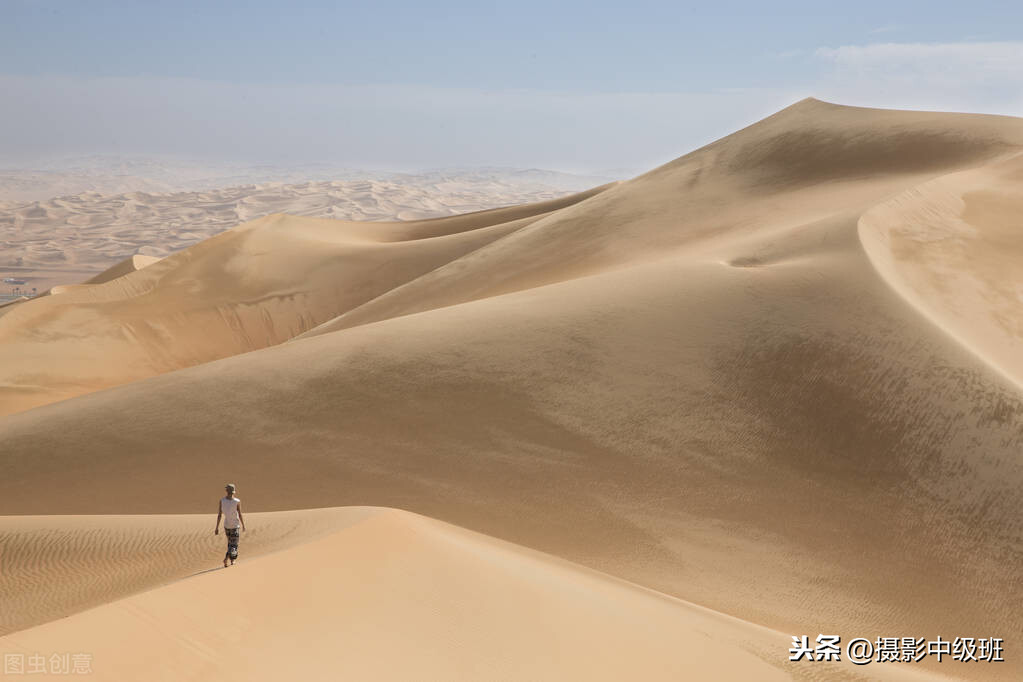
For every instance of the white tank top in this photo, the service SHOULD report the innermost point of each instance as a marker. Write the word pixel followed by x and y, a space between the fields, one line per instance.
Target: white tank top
pixel 229 505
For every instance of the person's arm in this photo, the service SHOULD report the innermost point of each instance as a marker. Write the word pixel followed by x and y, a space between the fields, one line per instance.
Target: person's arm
pixel 240 517
pixel 220 512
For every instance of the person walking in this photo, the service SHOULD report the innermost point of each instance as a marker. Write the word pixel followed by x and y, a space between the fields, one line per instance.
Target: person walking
pixel 230 508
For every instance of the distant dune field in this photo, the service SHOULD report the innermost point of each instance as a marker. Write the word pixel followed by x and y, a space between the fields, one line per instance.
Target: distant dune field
pixel 61 240
pixel 777 378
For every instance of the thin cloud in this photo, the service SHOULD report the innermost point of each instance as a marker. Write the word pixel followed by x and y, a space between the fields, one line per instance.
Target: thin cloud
pixel 987 60
pixel 962 76
pixel 787 54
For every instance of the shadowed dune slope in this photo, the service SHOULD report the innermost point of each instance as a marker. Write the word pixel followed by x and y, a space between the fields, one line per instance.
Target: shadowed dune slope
pixel 389 595
pixel 251 287
pixel 697 380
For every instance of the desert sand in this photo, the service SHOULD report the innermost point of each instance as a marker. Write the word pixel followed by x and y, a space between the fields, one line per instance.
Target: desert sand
pixel 746 380
pixel 60 240
pixel 172 314
pixel 420 600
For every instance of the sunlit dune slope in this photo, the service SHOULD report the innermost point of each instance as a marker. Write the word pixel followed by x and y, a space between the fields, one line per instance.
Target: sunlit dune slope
pixel 125 267
pixel 954 247
pixel 57 565
pixel 806 163
pixel 389 595
pixel 251 287
pixel 697 380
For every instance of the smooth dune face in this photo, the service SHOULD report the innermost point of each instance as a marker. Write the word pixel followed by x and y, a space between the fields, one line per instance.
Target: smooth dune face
pixel 806 164
pixel 257 285
pixel 736 379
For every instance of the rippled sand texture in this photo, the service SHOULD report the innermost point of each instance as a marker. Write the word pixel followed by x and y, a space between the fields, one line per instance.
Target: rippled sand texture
pixel 736 380
pixel 358 585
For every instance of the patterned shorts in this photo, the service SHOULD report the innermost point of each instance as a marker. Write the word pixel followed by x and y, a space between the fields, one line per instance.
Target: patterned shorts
pixel 232 542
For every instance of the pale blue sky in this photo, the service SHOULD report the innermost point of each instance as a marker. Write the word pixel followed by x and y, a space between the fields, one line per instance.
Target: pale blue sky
pixel 570 85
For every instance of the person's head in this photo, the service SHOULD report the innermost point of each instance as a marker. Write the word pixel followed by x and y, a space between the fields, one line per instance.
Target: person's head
pixel 229 488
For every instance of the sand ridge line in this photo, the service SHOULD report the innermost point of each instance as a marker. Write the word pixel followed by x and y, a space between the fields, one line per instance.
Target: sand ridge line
pixel 392 579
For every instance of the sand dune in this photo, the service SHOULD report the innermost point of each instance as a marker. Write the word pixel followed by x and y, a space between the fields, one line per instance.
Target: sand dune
pixel 111 175
pixel 735 379
pixel 199 305
pixel 58 565
pixel 805 164
pixel 450 603
pixel 125 267
pixel 952 246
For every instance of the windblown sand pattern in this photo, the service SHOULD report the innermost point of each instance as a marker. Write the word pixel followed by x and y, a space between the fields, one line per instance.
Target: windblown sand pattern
pixel 456 604
pixel 57 565
pixel 777 377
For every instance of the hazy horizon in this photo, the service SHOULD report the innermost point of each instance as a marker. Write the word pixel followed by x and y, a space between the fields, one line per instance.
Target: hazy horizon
pixel 395 86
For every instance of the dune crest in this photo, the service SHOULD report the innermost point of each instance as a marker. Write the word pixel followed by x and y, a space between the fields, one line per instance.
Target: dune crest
pixel 128 265
pixel 953 247
pixel 254 286
pixel 806 163
pixel 389 595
